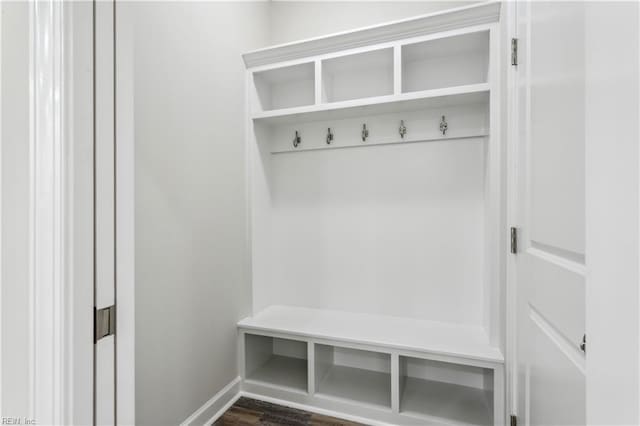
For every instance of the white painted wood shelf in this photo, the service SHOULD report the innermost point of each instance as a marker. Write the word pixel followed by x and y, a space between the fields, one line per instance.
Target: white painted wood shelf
pixel 430 337
pixel 403 370
pixel 282 371
pixel 445 402
pixel 450 96
pixel 276 362
pixel 357 384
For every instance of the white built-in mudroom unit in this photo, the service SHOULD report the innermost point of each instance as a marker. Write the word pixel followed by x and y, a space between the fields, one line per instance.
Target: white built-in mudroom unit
pixel 377 221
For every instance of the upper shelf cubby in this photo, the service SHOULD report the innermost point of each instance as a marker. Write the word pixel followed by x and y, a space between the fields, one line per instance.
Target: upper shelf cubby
pixel 357 76
pixel 397 66
pixel 285 87
pixel 445 62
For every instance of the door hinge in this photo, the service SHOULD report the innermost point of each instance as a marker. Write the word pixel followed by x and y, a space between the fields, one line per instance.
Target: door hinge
pixel 513 420
pixel 583 345
pixel 104 322
pixel 514 240
pixel 514 52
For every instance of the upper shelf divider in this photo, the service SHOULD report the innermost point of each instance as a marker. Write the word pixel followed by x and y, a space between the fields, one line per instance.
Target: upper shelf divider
pixel 467 16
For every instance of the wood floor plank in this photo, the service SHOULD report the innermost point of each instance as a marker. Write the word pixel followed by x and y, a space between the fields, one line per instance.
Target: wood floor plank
pixel 320 420
pixel 253 412
pixel 239 416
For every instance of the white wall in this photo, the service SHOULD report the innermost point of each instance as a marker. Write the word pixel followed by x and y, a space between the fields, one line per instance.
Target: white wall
pixel 191 281
pixel 14 86
pixel 612 135
pixel 296 20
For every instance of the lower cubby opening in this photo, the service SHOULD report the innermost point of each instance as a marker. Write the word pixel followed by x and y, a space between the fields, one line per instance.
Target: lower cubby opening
pixel 276 361
pixel 452 392
pixel 354 375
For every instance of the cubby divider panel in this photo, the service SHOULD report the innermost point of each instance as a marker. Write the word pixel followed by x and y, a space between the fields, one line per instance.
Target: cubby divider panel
pixel 276 361
pixel 451 392
pixel 353 374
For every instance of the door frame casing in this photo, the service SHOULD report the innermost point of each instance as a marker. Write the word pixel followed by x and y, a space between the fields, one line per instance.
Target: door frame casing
pixel 61 216
pixel 60 321
pixel 509 22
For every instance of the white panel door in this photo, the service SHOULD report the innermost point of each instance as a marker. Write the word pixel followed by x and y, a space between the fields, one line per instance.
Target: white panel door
pixel 550 264
pixel 104 187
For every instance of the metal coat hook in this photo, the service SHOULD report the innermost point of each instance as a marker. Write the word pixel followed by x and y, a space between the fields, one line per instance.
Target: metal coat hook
pixel 296 140
pixel 365 132
pixel 329 136
pixel 444 126
pixel 403 129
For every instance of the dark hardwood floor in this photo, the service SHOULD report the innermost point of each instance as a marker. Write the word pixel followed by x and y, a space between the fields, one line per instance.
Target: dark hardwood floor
pixel 249 412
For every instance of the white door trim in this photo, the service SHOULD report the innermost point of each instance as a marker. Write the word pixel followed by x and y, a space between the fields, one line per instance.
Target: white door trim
pixel 1 218
pixel 61 329
pixel 48 245
pixel 511 117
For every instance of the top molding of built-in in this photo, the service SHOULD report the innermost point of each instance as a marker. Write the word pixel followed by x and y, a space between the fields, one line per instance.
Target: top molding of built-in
pixel 413 27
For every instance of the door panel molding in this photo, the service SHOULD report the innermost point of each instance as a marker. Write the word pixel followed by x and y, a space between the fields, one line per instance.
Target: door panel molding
pixel 552 398
pixel 558 255
pixel 559 339
pixel 560 261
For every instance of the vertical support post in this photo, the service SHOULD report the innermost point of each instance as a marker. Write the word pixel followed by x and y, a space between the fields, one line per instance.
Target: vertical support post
pixel 311 368
pixel 318 82
pixel 253 104
pixel 498 396
pixel 241 356
pixel 395 383
pixel 496 243
pixel 397 70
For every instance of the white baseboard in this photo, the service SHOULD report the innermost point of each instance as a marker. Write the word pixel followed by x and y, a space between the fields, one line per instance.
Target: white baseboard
pixel 216 406
pixel 312 409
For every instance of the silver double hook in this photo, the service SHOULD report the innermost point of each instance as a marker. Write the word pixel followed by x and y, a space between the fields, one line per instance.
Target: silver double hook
pixel 444 126
pixel 296 140
pixel 403 129
pixel 329 136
